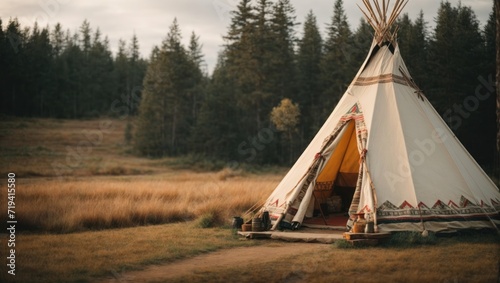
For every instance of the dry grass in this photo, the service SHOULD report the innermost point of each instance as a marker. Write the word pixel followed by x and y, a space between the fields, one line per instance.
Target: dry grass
pixel 85 165
pixel 449 261
pixel 80 257
pixel 52 148
pixel 106 202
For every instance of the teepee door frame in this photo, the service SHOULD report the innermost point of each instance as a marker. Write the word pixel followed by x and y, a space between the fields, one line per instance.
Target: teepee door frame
pixel 308 181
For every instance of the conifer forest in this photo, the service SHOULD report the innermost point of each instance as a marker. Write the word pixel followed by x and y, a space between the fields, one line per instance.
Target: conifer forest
pixel 276 81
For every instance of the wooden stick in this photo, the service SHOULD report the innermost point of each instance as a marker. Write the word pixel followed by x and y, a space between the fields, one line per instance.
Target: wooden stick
pixel 368 19
pixel 393 13
pixel 385 8
pixel 373 22
pixel 376 14
pixel 371 11
pixel 381 16
pixel 398 9
pixel 404 5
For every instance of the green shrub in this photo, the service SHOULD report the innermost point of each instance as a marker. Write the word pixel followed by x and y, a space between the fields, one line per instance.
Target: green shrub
pixel 206 221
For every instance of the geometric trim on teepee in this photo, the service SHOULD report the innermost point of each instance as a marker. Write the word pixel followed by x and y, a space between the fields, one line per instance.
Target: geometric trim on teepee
pixel 464 202
pixel 405 205
pixel 483 204
pixel 422 205
pixel 452 204
pixel 354 110
pixel 465 210
pixel 387 205
pixel 440 205
pixel 380 79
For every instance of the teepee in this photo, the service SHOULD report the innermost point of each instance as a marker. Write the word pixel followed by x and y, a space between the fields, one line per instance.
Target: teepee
pixel 386 152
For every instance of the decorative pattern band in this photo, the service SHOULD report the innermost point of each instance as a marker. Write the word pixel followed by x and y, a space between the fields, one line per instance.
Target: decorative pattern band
pixel 387 78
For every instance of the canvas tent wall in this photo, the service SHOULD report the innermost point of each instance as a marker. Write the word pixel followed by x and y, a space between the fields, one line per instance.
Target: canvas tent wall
pixel 412 172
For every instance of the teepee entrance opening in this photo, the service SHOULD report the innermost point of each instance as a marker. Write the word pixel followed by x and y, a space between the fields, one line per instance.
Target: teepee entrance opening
pixel 337 181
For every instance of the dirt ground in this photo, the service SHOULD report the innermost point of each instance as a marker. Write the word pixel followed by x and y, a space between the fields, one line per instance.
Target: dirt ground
pixel 236 257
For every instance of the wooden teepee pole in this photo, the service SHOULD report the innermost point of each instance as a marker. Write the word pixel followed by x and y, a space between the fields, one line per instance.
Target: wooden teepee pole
pixel 377 16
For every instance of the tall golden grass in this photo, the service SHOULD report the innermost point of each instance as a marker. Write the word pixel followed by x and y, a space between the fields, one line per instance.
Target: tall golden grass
pixel 87 181
pixel 107 202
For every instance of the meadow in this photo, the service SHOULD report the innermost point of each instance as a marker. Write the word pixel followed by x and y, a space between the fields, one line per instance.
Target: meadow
pixel 76 175
pixel 110 202
pixel 87 208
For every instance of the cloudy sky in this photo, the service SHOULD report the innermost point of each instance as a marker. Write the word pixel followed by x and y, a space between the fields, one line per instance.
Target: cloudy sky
pixel 150 19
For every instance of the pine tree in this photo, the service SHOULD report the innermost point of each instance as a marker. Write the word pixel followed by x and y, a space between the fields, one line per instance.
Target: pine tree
pixel 497 16
pixel 247 47
pixel 412 43
pixel 261 45
pixel 58 101
pixel 38 69
pixel 337 69
pixel 309 75
pixel 454 51
pixel 84 71
pixel 150 138
pixel 457 50
pixel 362 40
pixel 136 70
pixel 420 48
pixel 492 40
pixel 218 130
pixel 15 42
pixel 102 85
pixel 283 58
pixel 71 78
pixel 196 94
pixel 194 50
pixel 163 123
pixel 57 40
pixel 121 71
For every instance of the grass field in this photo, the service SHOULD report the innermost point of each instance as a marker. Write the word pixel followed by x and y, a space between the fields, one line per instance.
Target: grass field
pixel 113 202
pixel 79 175
pixel 450 260
pixel 88 208
pixel 80 257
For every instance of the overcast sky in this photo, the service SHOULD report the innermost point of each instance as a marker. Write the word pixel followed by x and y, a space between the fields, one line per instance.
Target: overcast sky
pixel 150 19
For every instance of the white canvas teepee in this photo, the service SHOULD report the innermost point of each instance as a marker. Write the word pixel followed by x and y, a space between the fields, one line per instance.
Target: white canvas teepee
pixel 386 142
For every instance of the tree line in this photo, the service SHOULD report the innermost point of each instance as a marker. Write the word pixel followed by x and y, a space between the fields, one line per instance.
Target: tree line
pixel 272 87
pixel 56 73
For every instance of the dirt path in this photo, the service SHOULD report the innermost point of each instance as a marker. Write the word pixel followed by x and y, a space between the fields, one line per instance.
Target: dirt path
pixel 236 257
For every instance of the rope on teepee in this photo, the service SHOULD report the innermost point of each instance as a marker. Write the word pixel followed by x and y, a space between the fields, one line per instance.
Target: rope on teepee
pixel 412 84
pixel 251 212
